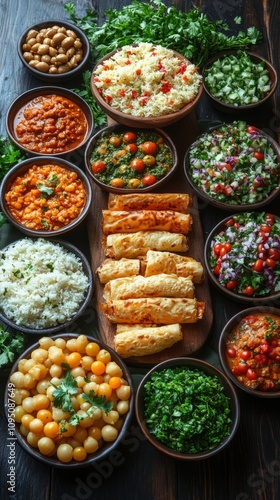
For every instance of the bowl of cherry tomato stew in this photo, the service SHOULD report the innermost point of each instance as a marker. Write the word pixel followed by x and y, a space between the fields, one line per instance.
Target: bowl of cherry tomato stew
pixel 242 257
pixel 249 351
pixel 121 159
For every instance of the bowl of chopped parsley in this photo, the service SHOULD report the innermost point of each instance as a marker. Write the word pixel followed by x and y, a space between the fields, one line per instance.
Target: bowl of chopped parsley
pixel 237 80
pixel 187 408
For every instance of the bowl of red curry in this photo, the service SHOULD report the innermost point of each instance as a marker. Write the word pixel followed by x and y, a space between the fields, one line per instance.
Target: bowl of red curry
pixel 45 196
pixel 49 121
pixel 249 351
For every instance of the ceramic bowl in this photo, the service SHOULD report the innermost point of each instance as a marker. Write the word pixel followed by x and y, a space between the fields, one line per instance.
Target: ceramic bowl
pixel 230 108
pixel 249 381
pixel 142 121
pixel 245 264
pixel 41 42
pixel 120 130
pixel 43 141
pixel 76 254
pixel 105 447
pixel 233 172
pixel 45 230
pixel 207 369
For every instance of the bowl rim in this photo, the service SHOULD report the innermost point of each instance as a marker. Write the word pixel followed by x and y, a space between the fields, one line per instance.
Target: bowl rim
pixel 54 462
pixel 232 322
pixel 55 77
pixel 10 176
pixel 31 94
pixel 88 296
pixel 121 127
pixel 220 204
pixel 230 294
pixel 208 368
pixel 242 108
pixel 141 121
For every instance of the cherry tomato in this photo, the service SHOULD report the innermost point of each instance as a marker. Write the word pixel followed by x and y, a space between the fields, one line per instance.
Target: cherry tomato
pixel 274 253
pixel 270 219
pixel 265 228
pixel 148 180
pixel 258 265
pixel 230 222
pixel 225 249
pixel 249 290
pixel 251 130
pixel 270 262
pixel 242 367
pixel 115 141
pixel 263 236
pixel 231 284
pixel 117 182
pixel 149 148
pixel 217 268
pixel 98 167
pixel 246 354
pixel 217 248
pixel 262 359
pixel 149 160
pixel 231 352
pixel 259 156
pixel 131 148
pixel 261 249
pixel 129 137
pixel 138 164
pixel 251 374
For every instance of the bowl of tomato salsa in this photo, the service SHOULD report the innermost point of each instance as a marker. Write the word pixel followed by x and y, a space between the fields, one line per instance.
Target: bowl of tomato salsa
pixel 249 351
pixel 49 121
pixel 120 159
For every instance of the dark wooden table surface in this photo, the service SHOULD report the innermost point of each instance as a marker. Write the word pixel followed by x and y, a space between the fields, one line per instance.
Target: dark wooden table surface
pixel 249 469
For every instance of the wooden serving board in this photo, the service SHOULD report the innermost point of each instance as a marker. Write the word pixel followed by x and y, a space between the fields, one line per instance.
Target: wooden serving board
pixel 195 335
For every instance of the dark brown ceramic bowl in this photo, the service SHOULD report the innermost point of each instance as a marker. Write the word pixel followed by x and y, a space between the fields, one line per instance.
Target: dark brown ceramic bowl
pixel 229 108
pixel 54 78
pixel 209 370
pixel 121 129
pixel 73 250
pixel 143 122
pixel 237 206
pixel 20 170
pixel 106 447
pixel 252 252
pixel 226 334
pixel 27 97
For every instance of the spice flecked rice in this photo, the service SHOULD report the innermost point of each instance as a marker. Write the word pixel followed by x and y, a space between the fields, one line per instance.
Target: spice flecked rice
pixel 41 283
pixel 147 80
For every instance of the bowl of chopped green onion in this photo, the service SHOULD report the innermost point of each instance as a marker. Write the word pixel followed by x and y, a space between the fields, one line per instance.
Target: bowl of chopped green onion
pixel 187 409
pixel 238 80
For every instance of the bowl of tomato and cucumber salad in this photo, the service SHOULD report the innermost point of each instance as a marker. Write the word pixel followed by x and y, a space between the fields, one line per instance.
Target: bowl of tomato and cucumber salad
pixel 242 257
pixel 249 351
pixel 121 159
pixel 237 81
pixel 187 409
pixel 234 166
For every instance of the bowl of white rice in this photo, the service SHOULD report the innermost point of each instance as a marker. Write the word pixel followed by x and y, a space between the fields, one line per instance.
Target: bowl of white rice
pixel 146 85
pixel 44 285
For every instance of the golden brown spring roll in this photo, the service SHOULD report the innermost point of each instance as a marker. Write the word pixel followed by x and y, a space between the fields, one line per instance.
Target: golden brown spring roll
pixel 145 341
pixel 159 310
pixel 112 269
pixel 133 245
pixel 124 327
pixel 179 202
pixel 171 263
pixel 145 220
pixel 159 285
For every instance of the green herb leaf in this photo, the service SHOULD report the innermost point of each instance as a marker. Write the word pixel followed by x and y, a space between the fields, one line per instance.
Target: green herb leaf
pixel 45 190
pixel 9 156
pixel 86 94
pixel 97 402
pixel 10 346
pixel 62 394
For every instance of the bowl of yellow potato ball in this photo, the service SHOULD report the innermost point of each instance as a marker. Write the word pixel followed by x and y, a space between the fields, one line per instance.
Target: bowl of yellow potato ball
pixel 71 400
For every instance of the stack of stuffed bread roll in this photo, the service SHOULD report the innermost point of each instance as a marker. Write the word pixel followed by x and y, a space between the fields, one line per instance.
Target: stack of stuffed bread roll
pixel 149 287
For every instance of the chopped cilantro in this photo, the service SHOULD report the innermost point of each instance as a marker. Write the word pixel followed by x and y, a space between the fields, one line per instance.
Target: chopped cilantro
pixel 10 346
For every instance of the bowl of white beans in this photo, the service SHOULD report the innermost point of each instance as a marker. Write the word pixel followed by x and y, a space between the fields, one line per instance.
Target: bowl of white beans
pixel 54 51
pixel 71 400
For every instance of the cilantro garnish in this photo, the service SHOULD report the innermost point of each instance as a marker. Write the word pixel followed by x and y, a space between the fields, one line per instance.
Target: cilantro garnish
pixel 10 346
pixel 9 156
pixel 45 190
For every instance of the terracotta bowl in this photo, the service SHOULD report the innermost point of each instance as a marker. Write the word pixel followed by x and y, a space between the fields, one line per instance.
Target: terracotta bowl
pixel 229 108
pixel 233 288
pixel 20 170
pixel 48 330
pixel 121 129
pixel 15 113
pixel 106 447
pixel 241 379
pixel 207 369
pixel 223 205
pixel 143 122
pixel 46 76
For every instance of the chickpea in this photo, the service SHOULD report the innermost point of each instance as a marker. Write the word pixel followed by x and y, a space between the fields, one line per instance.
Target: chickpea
pixel 33 438
pixel 109 433
pixel 111 417
pixel 65 453
pixel 39 355
pixel 122 407
pixel 113 369
pixel 90 444
pixel 46 445
pixel 27 56
pixel 123 392
pixel 42 66
pixel 67 42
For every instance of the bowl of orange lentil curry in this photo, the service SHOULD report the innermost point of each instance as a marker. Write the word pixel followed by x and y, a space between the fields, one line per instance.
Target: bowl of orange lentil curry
pixel 45 196
pixel 49 121
pixel 249 351
pixel 72 398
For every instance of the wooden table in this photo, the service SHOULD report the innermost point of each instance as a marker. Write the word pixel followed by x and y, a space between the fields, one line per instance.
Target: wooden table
pixel 249 468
